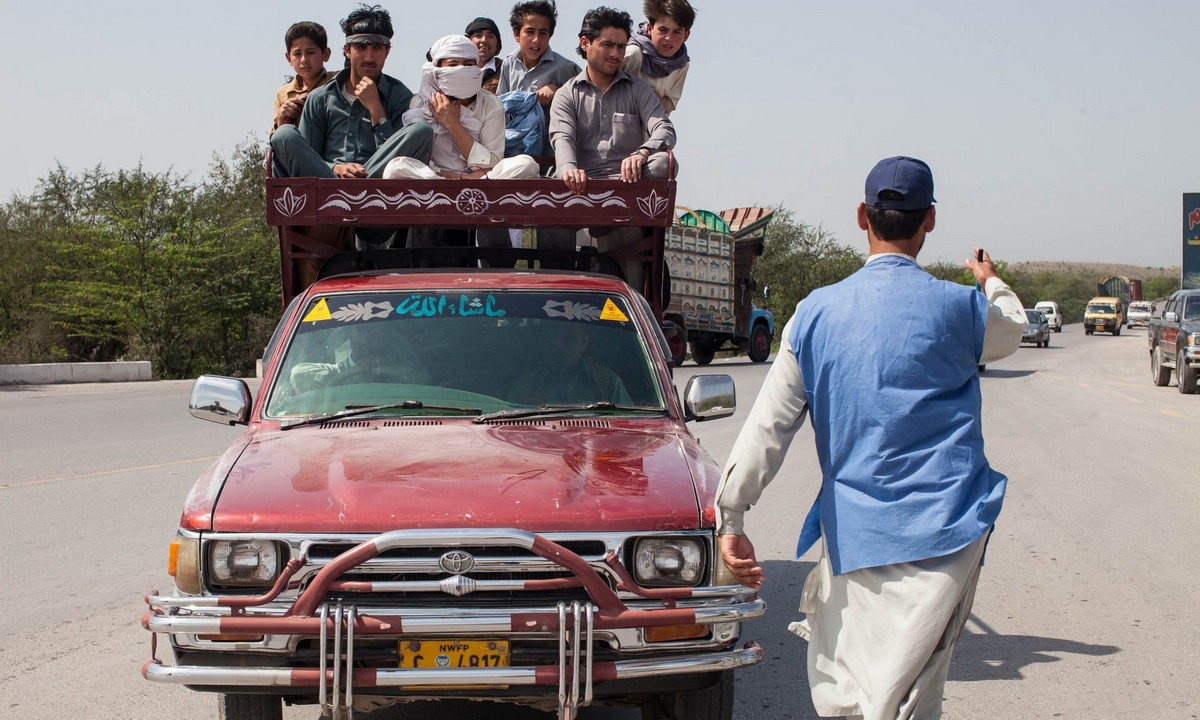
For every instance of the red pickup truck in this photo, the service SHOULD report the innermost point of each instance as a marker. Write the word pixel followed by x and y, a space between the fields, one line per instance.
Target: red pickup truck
pixel 458 483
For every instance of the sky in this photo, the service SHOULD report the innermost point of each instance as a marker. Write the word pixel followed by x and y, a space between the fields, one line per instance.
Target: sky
pixel 1057 131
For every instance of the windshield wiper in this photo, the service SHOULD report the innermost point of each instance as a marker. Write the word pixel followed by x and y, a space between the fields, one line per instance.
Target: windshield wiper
pixel 353 410
pixel 560 410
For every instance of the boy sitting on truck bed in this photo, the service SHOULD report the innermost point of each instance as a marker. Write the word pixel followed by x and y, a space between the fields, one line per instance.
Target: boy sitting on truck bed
pixel 657 52
pixel 306 50
pixel 533 66
pixel 352 127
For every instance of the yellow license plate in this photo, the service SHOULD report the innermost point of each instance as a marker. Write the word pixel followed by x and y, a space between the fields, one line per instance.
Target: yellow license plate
pixel 453 654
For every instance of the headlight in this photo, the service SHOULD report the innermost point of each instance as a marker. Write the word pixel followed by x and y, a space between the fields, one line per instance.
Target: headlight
pixel 243 563
pixel 669 562
pixel 1193 340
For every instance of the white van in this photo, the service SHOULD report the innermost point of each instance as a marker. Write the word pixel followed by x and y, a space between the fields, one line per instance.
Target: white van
pixel 1050 308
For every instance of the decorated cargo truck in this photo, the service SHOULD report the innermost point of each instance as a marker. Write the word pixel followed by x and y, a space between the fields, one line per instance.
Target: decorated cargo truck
pixel 710 258
pixel 465 475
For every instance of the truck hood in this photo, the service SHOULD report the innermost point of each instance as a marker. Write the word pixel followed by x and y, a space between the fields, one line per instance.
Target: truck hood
pixel 551 476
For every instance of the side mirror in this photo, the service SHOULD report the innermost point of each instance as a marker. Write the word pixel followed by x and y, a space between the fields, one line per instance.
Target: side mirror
pixel 222 400
pixel 1171 316
pixel 709 397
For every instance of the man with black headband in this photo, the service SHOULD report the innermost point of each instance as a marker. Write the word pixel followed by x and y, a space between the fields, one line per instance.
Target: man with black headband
pixel 352 126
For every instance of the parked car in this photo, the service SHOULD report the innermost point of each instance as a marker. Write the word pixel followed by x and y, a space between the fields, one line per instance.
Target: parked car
pixel 1053 315
pixel 1139 314
pixel 1038 329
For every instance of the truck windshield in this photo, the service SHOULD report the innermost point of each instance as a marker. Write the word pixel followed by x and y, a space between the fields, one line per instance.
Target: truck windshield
pixel 489 351
pixel 1191 311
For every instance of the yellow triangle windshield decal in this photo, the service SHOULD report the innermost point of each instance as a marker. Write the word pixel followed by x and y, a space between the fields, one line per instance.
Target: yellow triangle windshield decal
pixel 320 311
pixel 612 312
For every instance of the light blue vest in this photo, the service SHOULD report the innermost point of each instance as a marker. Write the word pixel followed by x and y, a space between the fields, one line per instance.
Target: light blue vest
pixel 889 360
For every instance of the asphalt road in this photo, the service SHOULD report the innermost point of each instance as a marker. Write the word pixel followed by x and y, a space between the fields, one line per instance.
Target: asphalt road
pixel 1086 608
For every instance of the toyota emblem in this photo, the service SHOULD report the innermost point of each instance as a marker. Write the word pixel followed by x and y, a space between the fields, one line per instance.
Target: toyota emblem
pixel 457 562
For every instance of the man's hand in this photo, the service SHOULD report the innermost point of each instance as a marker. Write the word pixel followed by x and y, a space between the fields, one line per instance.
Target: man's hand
pixel 367 93
pixel 349 170
pixel 982 269
pixel 446 112
pixel 738 554
pixel 631 167
pixel 545 94
pixel 575 179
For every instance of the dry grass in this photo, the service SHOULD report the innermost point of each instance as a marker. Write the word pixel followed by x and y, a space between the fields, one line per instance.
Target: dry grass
pixel 1100 270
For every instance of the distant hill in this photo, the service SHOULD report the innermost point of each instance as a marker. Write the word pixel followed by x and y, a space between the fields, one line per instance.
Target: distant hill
pixel 1100 270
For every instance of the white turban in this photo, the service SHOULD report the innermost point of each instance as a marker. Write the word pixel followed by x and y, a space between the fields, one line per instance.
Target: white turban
pixel 458 82
pixel 453 46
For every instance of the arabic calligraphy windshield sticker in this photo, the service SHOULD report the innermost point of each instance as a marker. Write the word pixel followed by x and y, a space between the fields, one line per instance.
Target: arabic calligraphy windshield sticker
pixel 423 305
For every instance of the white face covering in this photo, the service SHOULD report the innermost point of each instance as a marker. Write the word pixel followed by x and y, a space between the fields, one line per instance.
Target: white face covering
pixel 463 82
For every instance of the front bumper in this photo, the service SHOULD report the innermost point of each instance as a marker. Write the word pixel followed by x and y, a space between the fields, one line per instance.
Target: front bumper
pixel 257 640
pixel 1191 356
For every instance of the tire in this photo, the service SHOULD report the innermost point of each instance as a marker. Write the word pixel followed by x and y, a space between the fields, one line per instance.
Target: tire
pixel 249 707
pixel 1058 329
pixel 712 703
pixel 1087 332
pixel 760 343
pixel 1046 342
pixel 982 368
pixel 702 352
pixel 1116 330
pixel 1185 377
pixel 1160 374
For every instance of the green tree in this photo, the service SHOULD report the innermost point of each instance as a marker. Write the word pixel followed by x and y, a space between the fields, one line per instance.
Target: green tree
pixel 797 259
pixel 138 265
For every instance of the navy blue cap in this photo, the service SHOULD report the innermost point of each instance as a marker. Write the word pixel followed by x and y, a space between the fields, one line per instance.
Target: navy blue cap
pixel 900 183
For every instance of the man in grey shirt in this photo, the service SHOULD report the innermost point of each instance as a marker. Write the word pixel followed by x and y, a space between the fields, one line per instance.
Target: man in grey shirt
pixel 604 123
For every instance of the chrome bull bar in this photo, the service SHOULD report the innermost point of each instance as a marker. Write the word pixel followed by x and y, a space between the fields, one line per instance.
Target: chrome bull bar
pixel 336 679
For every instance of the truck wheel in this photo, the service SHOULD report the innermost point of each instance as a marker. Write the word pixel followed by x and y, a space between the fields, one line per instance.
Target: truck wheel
pixel 702 352
pixel 760 343
pixel 1159 373
pixel 1185 376
pixel 713 703
pixel 249 707
pixel 1087 331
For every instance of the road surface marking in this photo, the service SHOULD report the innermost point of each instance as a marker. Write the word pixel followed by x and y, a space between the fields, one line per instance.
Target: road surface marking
pixel 102 473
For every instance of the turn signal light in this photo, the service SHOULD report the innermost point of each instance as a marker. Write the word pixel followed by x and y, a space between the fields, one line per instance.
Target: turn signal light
pixel 668 633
